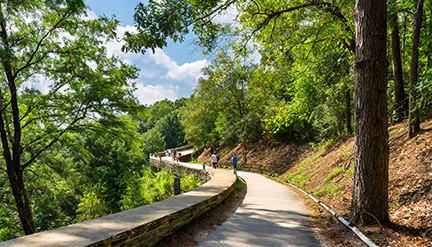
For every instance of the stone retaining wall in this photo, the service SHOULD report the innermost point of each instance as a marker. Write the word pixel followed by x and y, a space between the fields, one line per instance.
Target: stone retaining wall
pixel 142 226
pixel 204 176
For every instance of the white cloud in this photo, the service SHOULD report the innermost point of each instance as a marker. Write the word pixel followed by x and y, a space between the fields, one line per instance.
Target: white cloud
pixel 90 15
pixel 188 73
pixel 227 16
pixel 114 47
pixel 150 94
pixel 163 65
pixel 39 82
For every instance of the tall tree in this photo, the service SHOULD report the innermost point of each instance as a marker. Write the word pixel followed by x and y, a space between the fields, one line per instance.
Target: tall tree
pixel 53 43
pixel 234 78
pixel 370 189
pixel 154 26
pixel 400 96
pixel 413 114
pixel 171 129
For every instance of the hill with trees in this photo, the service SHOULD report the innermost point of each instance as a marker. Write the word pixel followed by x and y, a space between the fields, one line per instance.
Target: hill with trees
pixel 324 71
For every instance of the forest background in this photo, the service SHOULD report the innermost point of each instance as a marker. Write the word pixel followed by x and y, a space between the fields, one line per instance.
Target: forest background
pixel 78 150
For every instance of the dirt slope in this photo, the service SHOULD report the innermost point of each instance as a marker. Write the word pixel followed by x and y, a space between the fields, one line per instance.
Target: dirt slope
pixel 326 172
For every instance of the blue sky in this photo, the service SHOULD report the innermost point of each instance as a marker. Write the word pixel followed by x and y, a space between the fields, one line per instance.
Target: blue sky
pixel 170 73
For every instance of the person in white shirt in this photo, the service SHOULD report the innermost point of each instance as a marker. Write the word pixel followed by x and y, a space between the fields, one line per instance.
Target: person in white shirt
pixel 214 160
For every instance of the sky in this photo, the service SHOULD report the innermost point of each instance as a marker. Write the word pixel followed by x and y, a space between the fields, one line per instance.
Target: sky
pixel 170 73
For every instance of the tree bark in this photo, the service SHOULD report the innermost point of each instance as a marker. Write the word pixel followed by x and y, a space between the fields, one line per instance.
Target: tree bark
pixel 413 114
pixel 20 194
pixel 401 104
pixel 370 189
pixel 348 110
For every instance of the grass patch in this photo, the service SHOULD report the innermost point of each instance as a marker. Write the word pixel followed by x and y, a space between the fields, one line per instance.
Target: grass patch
pixel 350 171
pixel 311 160
pixel 298 178
pixel 393 131
pixel 348 152
pixel 329 189
pixel 195 162
pixel 323 145
pixel 334 173
pixel 240 183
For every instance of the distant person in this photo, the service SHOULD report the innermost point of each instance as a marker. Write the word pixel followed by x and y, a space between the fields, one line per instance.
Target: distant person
pixel 178 154
pixel 174 152
pixel 169 152
pixel 234 161
pixel 214 160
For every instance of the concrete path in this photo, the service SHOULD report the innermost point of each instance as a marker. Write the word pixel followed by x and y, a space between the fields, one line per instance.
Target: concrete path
pixel 270 215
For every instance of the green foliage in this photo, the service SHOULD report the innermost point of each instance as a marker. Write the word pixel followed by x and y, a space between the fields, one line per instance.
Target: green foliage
pixel 334 173
pixel 172 130
pixel 227 110
pixel 92 205
pixel 153 142
pixel 10 226
pixel 199 118
pixel 155 186
pixel 110 163
pixel 171 19
pixel 297 178
pixel 162 118
pixel 54 43
pixel 330 189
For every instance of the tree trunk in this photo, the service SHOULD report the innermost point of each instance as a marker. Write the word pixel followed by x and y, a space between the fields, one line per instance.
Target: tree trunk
pixel 21 199
pixel 401 104
pixel 370 189
pixel 413 114
pixel 16 180
pixel 12 152
pixel 348 110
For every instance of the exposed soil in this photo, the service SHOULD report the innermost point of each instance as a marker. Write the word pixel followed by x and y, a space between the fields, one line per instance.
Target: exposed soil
pixel 410 183
pixel 197 230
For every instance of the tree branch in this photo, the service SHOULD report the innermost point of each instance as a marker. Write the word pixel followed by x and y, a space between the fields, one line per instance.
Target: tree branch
pixel 34 156
pixel 36 50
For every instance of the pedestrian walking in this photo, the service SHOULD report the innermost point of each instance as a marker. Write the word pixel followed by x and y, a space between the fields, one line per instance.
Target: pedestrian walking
pixel 234 161
pixel 214 160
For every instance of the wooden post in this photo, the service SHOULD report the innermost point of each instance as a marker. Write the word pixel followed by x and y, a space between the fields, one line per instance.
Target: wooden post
pixel 176 185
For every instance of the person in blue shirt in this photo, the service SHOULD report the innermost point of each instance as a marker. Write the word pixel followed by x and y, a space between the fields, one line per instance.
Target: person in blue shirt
pixel 234 161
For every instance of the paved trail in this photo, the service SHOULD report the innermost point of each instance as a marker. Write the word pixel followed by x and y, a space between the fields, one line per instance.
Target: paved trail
pixel 270 215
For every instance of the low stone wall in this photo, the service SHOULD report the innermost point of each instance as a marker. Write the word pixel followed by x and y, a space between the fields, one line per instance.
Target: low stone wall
pixel 142 226
pixel 204 176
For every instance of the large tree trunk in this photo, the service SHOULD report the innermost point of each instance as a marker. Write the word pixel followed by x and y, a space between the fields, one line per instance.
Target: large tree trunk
pixel 401 104
pixel 413 114
pixel 370 189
